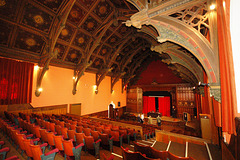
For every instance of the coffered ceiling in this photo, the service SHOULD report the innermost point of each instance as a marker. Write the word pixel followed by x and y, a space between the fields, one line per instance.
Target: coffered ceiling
pixel 88 35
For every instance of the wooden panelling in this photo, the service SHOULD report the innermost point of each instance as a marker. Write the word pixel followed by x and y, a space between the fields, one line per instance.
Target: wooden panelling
pixel 49 110
pixel 164 136
pixel 134 100
pixel 226 154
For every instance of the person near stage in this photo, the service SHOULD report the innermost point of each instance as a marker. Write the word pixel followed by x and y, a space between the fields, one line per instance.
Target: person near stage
pixel 158 120
pixel 174 112
pixel 149 120
pixel 139 118
pixel 142 118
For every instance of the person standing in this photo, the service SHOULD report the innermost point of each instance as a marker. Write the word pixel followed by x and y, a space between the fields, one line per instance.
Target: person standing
pixel 159 120
pixel 142 118
pixel 149 120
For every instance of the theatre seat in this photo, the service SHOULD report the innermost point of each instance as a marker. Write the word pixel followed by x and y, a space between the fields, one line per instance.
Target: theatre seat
pixel 38 154
pixel 91 145
pixel 50 139
pixel 106 141
pixel 79 129
pixel 87 131
pixel 71 151
pixel 174 157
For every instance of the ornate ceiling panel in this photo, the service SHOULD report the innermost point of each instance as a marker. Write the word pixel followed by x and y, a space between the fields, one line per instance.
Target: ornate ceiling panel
pixel 73 56
pixel 29 42
pixel 103 9
pixel 51 4
pixel 5 31
pixel 37 18
pixel 76 14
pixel 67 33
pixel 9 10
pixel 81 40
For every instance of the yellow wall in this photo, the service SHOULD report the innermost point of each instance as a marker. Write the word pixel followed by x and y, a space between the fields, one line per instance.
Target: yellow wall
pixel 57 87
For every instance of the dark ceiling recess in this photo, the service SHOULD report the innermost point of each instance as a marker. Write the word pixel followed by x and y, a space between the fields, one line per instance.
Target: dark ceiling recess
pixel 29 28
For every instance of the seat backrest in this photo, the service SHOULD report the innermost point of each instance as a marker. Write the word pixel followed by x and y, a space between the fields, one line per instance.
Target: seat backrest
pixel 68 145
pixel 99 129
pixel 115 135
pixel 79 138
pixel 79 129
pixel 43 134
pixel 37 131
pixel 20 141
pixel 64 132
pixel 36 151
pixel 130 155
pixel 71 134
pixel 87 131
pixel 58 129
pixel 159 154
pixel 104 137
pixel 47 125
pixel 58 142
pixel 95 135
pixel 27 143
pixel 89 142
pixel 142 149
pixel 52 127
pixel 106 131
pixel 174 157
pixel 73 127
pixel 50 138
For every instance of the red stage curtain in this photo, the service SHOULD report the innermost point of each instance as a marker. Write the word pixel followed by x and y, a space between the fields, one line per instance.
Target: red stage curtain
pixel 148 104
pixel 145 104
pixel 151 104
pixel 228 90
pixel 164 106
pixel 15 82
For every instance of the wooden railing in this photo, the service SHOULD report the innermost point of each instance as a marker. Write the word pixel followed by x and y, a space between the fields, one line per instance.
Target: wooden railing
pixel 49 110
pixel 181 109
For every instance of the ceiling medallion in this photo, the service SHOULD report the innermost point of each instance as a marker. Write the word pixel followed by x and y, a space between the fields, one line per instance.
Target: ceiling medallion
pixel 102 10
pixel 74 14
pixel 2 3
pixel 81 40
pixel 38 19
pixel 104 51
pixel 73 55
pixel 113 40
pixel 64 32
pixel 30 42
pixel 90 25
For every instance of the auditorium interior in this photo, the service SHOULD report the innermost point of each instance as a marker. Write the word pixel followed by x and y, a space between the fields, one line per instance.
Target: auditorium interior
pixel 89 79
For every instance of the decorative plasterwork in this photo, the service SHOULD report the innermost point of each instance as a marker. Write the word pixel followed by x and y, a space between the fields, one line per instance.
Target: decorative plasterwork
pixel 215 91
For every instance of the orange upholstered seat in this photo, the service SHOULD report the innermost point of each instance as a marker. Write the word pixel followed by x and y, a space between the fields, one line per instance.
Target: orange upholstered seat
pixel 70 150
pixel 87 131
pixel 79 129
pixel 38 154
pixel 50 139
pixel 92 145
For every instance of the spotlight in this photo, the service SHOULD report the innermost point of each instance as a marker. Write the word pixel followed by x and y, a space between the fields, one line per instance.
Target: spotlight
pixel 40 89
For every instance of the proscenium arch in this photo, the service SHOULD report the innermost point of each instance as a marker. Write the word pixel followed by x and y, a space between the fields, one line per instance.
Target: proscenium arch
pixel 191 40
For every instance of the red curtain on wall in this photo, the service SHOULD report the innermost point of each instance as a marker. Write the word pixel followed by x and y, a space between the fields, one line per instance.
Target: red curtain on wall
pixel 15 82
pixel 228 90
pixel 217 112
pixel 145 104
pixel 164 106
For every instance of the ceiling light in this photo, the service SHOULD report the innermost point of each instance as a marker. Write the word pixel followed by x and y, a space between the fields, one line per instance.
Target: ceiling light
pixel 40 89
pixel 212 7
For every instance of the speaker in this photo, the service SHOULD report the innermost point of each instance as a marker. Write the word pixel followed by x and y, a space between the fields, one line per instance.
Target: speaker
pixel 119 104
